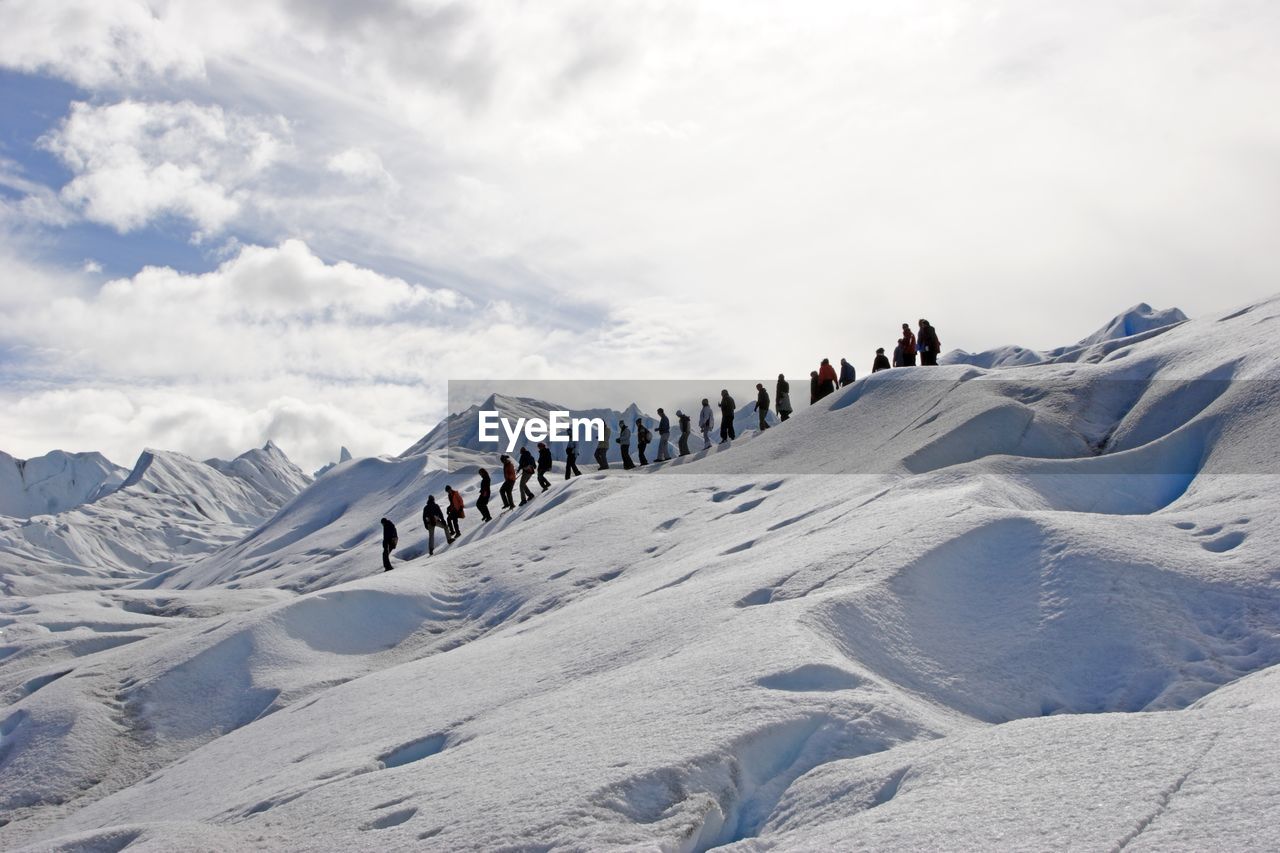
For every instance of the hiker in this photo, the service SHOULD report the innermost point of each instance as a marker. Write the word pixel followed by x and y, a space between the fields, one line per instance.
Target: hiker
pixel 897 355
pixel 813 387
pixel 643 437
pixel 602 449
pixel 664 434
pixel 571 460
pixel 727 409
pixel 908 347
pixel 684 421
pixel 482 501
pixel 389 542
pixel 782 398
pixel 826 379
pixel 928 344
pixel 432 518
pixel 508 483
pixel 544 465
pixel 706 423
pixel 454 512
pixel 624 443
pixel 527 469
pixel 881 363
pixel 762 405
pixel 847 374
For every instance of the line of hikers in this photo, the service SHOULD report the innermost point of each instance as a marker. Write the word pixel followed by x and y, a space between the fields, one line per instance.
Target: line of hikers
pixel 823 381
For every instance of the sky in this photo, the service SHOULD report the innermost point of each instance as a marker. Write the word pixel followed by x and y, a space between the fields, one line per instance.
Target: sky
pixel 227 223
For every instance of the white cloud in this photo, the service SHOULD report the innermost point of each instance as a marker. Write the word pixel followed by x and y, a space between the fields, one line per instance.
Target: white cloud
pixel 122 421
pixel 276 344
pixel 361 165
pixel 136 161
pixel 95 42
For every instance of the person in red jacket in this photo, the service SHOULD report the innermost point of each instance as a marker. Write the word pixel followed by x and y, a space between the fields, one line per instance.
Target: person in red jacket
pixel 908 342
pixel 508 483
pixel 826 379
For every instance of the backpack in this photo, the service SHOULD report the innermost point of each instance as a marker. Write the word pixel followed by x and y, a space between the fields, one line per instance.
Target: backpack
pixel 643 436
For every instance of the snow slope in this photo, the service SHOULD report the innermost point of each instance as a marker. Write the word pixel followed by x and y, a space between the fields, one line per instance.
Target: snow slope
pixel 168 510
pixel 55 482
pixel 947 608
pixel 1138 323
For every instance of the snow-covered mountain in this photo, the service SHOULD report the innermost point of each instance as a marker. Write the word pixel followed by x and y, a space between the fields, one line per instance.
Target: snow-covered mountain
pixel 168 510
pixel 344 455
pixel 55 482
pixel 1138 323
pixel 945 608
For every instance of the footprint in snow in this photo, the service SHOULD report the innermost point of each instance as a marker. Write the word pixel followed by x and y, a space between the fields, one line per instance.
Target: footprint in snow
pixel 1224 543
pixel 732 493
pixel 390 820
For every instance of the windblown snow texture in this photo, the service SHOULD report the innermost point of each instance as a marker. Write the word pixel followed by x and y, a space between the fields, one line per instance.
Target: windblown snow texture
pixel 1030 607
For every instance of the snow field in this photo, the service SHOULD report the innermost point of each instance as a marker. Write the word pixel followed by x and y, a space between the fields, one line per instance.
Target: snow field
pixel 1019 609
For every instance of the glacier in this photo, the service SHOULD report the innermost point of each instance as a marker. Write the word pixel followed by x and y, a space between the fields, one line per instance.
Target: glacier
pixel 1005 603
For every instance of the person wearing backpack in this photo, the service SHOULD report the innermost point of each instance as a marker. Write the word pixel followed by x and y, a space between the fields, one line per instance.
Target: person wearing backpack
pixel 527 469
pixel 482 500
pixel 928 344
pixel 908 342
pixel 432 518
pixel 881 363
pixel 624 443
pixel 602 449
pixel 684 421
pixel 664 435
pixel 508 483
pixel 727 410
pixel 390 539
pixel 643 437
pixel 571 460
pixel 782 398
pixel 544 465
pixel 762 405
pixel 455 511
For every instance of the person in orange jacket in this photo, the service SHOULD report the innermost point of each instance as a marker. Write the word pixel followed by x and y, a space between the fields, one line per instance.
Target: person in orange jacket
pixel 456 511
pixel 508 483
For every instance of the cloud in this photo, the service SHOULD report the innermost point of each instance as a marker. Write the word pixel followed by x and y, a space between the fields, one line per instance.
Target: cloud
pixel 361 165
pixel 136 161
pixel 123 421
pixel 278 344
pixel 95 42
